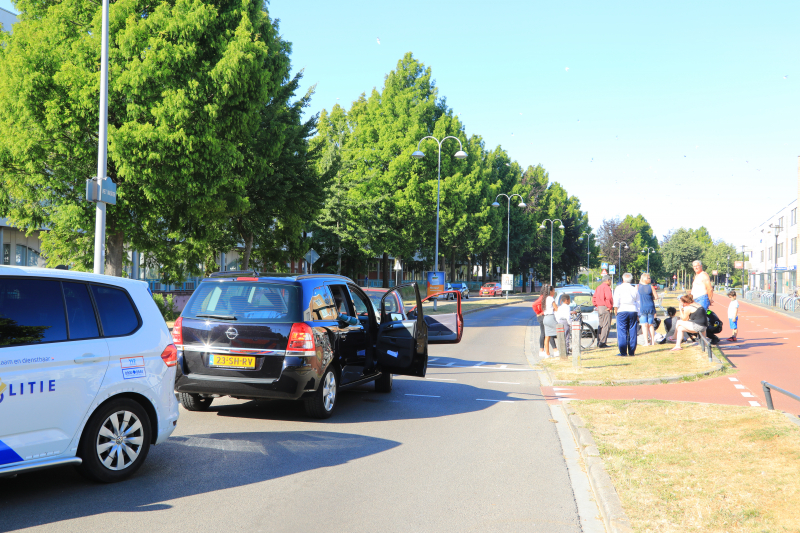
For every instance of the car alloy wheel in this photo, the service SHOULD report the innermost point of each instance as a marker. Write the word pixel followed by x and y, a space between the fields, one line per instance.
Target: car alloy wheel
pixel 329 391
pixel 120 440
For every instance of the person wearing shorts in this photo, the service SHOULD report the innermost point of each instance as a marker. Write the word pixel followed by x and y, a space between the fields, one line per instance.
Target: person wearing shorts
pixel 733 315
pixel 693 320
pixel 647 313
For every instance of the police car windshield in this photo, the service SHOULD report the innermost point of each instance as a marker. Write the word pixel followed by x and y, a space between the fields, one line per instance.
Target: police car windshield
pixel 244 301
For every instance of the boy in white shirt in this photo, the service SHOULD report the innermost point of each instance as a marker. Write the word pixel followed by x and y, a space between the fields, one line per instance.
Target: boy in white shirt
pixel 733 315
pixel 563 318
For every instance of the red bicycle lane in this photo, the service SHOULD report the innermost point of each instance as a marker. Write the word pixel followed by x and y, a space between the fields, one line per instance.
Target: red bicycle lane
pixel 768 349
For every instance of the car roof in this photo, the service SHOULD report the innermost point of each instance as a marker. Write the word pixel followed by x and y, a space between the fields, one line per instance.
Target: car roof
pixel 24 271
pixel 275 276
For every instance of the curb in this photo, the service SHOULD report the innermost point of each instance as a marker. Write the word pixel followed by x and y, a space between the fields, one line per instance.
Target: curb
pixel 614 517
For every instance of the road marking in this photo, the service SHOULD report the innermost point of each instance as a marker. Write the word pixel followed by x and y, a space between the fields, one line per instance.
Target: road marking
pixel 748 395
pixel 423 395
pixel 440 379
pixel 755 404
pixel 734 379
pixel 497 401
pixel 503 366
pixel 505 382
pixel 561 388
pixel 564 393
pixel 739 386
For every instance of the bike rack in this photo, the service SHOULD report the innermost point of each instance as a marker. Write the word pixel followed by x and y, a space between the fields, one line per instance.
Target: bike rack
pixel 706 344
pixel 768 394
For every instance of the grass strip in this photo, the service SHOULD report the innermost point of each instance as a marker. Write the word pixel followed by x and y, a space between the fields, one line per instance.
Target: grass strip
pixel 699 467
pixel 650 362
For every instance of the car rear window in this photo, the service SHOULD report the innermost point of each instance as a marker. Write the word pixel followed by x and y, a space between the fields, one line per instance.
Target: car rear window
pixel 116 311
pixel 249 301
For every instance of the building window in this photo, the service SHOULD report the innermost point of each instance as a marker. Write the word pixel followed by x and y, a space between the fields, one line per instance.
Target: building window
pixel 793 217
pixel 6 254
pixel 780 222
pixel 779 251
pixel 793 246
pixel 21 258
pixel 769 258
pixel 762 256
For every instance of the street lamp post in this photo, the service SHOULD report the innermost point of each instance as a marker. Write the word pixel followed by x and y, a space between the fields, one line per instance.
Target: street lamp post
pixel 102 152
pixel 778 228
pixel 588 238
pixel 619 255
pixel 560 226
pixel 743 269
pixel 508 222
pixel 648 250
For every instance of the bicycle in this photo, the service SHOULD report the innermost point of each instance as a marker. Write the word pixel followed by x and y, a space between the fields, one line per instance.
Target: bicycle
pixel 588 336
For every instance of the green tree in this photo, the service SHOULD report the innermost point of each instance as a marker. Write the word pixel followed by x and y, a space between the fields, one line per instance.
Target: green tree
pixel 188 85
pixel 678 250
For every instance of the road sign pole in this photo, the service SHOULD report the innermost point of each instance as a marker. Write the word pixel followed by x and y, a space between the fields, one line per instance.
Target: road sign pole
pixel 102 152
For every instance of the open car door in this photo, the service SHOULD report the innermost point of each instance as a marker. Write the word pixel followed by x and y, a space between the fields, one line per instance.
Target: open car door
pixel 402 344
pixel 446 324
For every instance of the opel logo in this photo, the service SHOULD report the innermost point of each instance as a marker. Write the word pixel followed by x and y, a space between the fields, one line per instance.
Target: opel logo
pixel 231 333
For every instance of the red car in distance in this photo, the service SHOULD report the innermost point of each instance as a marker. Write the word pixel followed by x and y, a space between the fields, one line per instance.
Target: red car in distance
pixel 491 289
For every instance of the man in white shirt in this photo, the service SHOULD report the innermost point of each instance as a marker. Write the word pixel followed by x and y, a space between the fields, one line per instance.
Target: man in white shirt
pixel 626 306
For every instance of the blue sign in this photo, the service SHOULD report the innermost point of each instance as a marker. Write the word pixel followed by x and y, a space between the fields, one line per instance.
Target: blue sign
pixel 604 266
pixel 435 282
pixel 613 269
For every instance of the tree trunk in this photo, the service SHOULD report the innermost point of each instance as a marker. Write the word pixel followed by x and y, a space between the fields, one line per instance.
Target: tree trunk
pixel 115 245
pixel 248 249
pixel 483 268
pixel 385 270
pixel 453 266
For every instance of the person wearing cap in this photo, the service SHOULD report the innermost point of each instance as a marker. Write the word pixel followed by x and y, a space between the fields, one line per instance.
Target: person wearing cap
pixel 603 301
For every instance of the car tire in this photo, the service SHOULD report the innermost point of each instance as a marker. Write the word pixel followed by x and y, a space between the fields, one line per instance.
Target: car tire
pixel 384 383
pixel 194 402
pixel 323 401
pixel 106 448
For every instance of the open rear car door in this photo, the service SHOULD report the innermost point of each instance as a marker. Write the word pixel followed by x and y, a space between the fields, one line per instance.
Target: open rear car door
pixel 402 344
pixel 445 325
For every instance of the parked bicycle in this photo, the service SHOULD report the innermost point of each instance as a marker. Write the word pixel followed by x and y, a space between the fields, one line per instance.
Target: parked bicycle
pixel 588 336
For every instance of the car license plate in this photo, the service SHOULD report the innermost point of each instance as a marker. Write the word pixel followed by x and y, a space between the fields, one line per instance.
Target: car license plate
pixel 231 361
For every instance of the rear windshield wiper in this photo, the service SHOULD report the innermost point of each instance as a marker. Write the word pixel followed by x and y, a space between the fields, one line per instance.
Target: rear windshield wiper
pixel 223 317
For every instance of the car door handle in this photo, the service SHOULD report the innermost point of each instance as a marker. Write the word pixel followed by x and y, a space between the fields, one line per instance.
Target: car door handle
pixel 88 358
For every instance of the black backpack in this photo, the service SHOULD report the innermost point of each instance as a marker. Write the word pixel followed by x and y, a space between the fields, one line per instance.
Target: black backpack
pixel 714 323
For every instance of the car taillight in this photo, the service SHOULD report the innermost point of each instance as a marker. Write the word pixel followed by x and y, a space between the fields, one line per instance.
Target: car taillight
pixel 170 355
pixel 177 331
pixel 301 339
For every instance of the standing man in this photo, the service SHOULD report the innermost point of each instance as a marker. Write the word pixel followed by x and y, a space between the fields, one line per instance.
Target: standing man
pixel 627 304
pixel 603 300
pixel 702 290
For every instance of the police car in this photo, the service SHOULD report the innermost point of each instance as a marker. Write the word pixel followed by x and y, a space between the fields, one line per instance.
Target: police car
pixel 87 367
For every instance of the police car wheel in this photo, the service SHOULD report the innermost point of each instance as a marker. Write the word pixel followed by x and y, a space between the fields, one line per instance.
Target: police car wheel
pixel 115 441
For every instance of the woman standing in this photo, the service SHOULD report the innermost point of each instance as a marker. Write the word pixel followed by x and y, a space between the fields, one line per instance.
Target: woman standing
pixel 647 314
pixel 550 323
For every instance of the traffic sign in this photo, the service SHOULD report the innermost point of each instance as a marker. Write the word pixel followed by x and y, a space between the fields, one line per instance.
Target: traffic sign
pixel 397 265
pixel 613 269
pixel 604 266
pixel 605 272
pixel 311 256
pixel 738 265
pixel 508 282
pixel 108 191
pixel 714 272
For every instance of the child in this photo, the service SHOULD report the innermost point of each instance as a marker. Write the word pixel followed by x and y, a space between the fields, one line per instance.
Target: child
pixel 670 323
pixel 563 318
pixel 733 315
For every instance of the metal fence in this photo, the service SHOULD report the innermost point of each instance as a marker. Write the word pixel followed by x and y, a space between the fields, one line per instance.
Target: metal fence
pixel 769 387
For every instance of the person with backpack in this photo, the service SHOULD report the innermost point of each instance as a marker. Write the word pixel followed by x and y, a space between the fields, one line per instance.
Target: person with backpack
pixel 538 309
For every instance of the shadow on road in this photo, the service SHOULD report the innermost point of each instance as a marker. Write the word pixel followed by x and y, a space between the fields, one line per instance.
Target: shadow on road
pixel 177 468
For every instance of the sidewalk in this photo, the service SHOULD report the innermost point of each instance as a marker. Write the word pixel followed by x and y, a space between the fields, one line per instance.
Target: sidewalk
pixel 767 350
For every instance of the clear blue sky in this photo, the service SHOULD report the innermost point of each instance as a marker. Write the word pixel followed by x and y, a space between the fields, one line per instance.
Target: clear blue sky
pixel 677 111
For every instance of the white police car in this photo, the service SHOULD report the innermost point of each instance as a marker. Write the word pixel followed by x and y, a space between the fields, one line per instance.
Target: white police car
pixel 87 368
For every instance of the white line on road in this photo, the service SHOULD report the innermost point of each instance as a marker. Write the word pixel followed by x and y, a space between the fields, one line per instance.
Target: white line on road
pixel 734 379
pixel 748 395
pixel 755 404
pixel 505 382
pixel 739 386
pixel 423 395
pixel 561 388
pixel 564 393
pixel 497 401
pixel 503 366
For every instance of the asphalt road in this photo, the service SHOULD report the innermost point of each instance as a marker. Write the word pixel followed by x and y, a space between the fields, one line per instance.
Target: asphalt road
pixel 470 448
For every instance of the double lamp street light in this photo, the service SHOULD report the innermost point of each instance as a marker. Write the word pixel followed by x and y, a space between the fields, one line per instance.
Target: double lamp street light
pixel 649 250
pixel 560 226
pixel 508 221
pixel 619 255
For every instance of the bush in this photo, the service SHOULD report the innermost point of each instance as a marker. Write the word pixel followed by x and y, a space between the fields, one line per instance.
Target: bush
pixel 166 306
